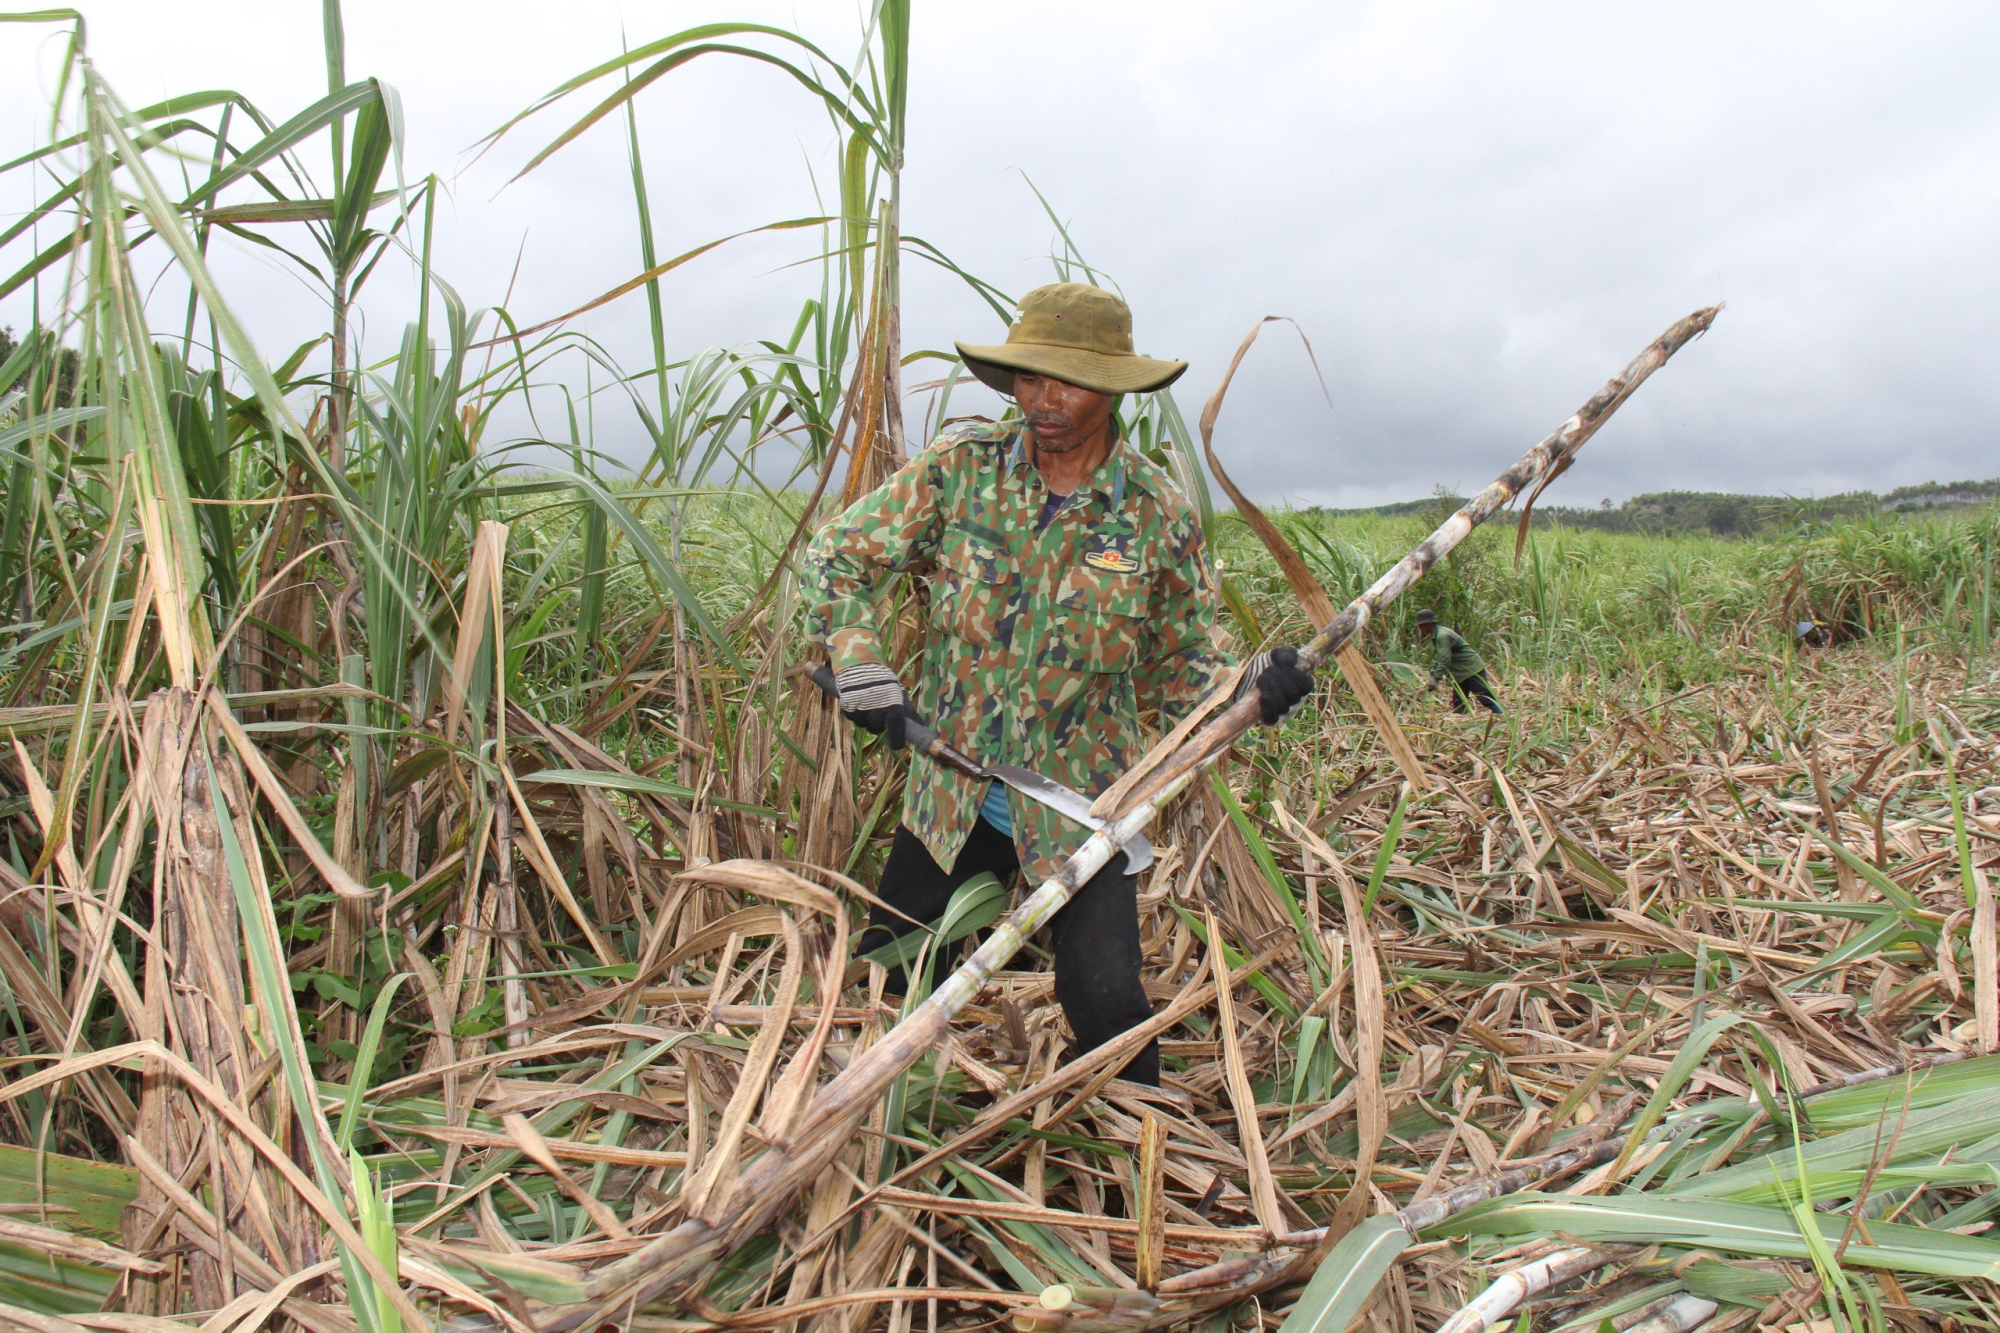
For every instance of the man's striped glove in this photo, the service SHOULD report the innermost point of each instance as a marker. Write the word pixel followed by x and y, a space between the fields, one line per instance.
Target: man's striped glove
pixel 1278 681
pixel 873 699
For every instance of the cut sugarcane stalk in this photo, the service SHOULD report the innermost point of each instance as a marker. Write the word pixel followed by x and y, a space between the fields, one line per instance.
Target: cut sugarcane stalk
pixel 688 1252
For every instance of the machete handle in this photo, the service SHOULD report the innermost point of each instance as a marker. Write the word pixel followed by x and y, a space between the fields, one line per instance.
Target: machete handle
pixel 941 751
pixel 916 734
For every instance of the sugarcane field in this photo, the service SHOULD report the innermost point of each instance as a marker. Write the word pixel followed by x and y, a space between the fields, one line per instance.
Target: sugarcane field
pixel 917 667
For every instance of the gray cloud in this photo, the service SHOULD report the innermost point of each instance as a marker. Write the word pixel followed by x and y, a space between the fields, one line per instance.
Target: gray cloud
pixel 1476 212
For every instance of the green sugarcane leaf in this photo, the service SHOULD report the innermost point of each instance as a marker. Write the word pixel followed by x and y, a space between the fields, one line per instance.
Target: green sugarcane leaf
pixel 377 1225
pixel 633 782
pixel 1347 1277
pixel 374 138
pixel 95 1194
pixel 47 1284
pixel 1309 1035
pixel 1257 981
pixel 1888 888
pixel 364 1061
pixel 1864 1103
pixel 1964 1128
pixel 1726 1227
pixel 279 1021
pixel 1042 1240
pixel 326 111
pixel 47 422
pixel 544 1280
pixel 1391 836
pixel 1732 1283
pixel 1966 876
pixel 657 561
pixel 1685 1062
pixel 1870 912
pixel 1281 888
pixel 974 905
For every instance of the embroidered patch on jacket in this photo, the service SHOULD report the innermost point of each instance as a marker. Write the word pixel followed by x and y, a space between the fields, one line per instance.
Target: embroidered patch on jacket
pixel 1113 559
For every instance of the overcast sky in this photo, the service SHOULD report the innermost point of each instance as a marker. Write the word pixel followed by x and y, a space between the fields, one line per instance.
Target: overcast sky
pixel 1476 212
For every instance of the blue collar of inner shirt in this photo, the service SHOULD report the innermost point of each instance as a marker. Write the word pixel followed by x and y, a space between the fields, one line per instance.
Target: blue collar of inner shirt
pixel 1017 458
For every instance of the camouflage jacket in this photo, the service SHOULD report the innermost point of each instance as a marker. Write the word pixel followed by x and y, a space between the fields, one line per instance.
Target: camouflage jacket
pixel 1045 648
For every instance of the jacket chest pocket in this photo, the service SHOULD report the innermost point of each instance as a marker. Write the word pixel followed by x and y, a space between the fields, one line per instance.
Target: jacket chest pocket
pixel 972 588
pixel 1101 616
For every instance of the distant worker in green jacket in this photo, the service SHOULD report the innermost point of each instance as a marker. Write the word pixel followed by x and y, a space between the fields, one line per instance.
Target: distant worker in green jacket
pixel 1458 661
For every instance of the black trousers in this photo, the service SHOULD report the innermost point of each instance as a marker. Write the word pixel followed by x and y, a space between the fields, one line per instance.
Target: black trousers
pixel 1473 687
pixel 1096 935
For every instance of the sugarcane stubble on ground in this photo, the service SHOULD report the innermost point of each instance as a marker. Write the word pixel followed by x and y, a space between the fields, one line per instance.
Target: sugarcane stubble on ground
pixel 1548 930
pixel 1559 1018
pixel 722 1223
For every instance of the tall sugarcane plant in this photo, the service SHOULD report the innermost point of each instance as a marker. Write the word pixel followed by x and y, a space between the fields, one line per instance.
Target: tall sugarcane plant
pixel 298 534
pixel 122 477
pixel 834 388
pixel 867 108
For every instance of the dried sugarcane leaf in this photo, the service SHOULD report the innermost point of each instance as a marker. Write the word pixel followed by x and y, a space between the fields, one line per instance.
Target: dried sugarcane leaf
pixel 1318 606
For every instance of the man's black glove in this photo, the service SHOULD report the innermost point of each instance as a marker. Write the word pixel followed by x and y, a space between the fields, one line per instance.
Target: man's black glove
pixel 873 699
pixel 1278 681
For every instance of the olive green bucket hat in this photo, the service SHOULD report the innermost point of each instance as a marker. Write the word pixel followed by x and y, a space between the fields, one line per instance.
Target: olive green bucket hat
pixel 1076 333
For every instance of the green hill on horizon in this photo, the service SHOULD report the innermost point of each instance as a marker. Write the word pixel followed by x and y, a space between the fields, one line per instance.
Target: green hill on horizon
pixel 1725 513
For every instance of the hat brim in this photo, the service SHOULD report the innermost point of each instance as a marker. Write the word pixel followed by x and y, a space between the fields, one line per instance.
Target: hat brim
pixel 996 364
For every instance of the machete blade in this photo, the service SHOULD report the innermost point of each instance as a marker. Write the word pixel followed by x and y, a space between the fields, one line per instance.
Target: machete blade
pixel 1071 805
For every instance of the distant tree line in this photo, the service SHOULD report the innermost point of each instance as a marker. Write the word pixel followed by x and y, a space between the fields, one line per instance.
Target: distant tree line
pixel 1724 513
pixel 1943 495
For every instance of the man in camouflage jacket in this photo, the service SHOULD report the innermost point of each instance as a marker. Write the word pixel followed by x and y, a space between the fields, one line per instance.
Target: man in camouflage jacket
pixel 1070 598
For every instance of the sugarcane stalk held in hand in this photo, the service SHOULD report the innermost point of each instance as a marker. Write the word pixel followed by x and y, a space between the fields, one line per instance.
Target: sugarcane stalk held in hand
pixel 692 1248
